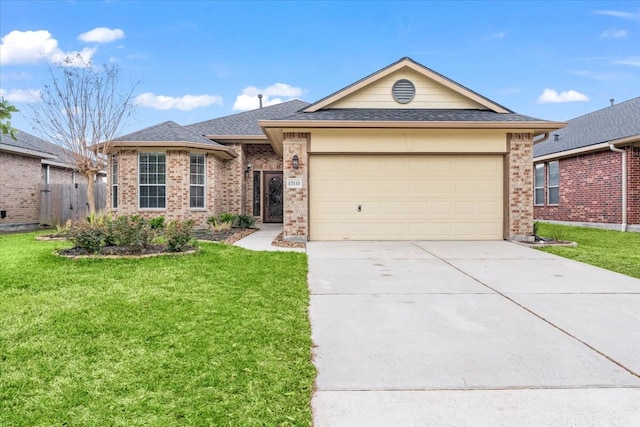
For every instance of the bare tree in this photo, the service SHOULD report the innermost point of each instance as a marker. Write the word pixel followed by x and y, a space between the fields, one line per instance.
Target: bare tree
pixel 82 109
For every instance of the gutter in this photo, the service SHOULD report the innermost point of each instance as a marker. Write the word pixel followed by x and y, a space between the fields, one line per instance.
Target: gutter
pixel 623 226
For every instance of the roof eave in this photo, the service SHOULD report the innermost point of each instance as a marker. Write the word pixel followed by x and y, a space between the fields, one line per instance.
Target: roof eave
pixel 220 151
pixel 630 140
pixel 26 151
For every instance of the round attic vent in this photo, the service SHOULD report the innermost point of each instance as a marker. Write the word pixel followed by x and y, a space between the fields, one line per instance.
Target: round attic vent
pixel 403 91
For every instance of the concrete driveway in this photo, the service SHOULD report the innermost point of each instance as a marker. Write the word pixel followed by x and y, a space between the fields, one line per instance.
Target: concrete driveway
pixel 470 333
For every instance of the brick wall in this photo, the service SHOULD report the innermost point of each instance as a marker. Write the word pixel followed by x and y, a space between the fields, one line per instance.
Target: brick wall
pixel 20 178
pixel 296 208
pixel 519 186
pixel 233 182
pixel 591 190
pixel 177 189
pixel 262 158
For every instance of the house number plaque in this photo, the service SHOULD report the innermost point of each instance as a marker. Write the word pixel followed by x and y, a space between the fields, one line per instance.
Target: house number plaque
pixel 294 182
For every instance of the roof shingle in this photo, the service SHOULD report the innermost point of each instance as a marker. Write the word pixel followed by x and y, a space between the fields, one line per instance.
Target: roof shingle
pixel 411 115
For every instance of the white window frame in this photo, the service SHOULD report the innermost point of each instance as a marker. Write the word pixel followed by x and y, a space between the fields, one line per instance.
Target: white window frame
pixel 114 181
pixel 555 186
pixel 538 186
pixel 194 177
pixel 156 185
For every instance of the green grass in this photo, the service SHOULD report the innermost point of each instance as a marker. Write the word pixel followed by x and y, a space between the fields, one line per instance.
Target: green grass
pixel 608 249
pixel 219 338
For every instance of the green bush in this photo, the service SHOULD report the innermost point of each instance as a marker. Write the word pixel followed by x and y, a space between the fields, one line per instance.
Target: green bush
pixel 132 232
pixel 178 234
pixel 222 222
pixel 88 236
pixel 227 217
pixel 245 221
pixel 157 223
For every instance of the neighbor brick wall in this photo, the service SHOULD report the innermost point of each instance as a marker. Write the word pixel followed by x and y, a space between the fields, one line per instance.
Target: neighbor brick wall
pixel 20 178
pixel 296 208
pixel 633 185
pixel 262 158
pixel 590 189
pixel 177 190
pixel 519 192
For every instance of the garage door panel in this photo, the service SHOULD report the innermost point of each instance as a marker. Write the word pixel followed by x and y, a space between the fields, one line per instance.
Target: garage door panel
pixel 405 197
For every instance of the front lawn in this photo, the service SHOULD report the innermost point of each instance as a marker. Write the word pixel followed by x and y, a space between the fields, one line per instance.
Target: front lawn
pixel 608 249
pixel 218 338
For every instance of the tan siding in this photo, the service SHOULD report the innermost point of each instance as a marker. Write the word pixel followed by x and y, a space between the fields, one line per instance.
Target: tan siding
pixel 429 94
pixel 407 141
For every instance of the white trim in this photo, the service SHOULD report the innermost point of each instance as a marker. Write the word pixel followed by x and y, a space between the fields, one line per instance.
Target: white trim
pixel 156 185
pixel 204 185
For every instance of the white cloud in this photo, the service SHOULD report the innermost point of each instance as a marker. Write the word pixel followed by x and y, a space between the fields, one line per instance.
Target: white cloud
pixel 184 103
pixel 21 95
pixel 613 33
pixel 495 36
pixel 552 96
pixel 30 47
pixel 633 61
pixel 619 14
pixel 271 95
pixel 101 35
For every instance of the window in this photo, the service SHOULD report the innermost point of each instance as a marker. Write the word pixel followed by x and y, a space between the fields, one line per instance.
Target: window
pixel 152 179
pixel 538 185
pixel 114 181
pixel 196 181
pixel 553 183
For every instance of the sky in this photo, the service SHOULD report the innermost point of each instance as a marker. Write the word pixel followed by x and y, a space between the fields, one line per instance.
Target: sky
pixel 198 60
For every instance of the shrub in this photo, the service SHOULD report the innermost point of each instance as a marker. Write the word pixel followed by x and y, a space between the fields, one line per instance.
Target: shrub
pixel 132 232
pixel 222 222
pixel 245 221
pixel 178 235
pixel 87 236
pixel 157 223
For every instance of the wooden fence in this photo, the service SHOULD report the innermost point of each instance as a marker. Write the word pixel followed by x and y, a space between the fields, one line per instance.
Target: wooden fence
pixel 61 202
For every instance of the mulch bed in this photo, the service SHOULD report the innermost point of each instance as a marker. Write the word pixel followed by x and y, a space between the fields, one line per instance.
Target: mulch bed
pixel 225 236
pixel 280 242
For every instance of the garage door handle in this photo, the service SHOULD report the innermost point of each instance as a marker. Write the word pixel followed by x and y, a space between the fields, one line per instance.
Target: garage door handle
pixel 359 208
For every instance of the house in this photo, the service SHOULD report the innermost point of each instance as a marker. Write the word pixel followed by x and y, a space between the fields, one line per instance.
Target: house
pixel 28 165
pixel 588 173
pixel 404 153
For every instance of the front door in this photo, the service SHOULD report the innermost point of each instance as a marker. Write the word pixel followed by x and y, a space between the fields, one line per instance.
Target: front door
pixel 273 197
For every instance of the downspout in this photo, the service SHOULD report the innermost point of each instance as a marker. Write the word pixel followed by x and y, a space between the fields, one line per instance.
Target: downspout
pixel 623 226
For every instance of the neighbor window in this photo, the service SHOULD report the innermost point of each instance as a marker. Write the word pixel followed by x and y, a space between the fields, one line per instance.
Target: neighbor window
pixel 553 183
pixel 114 181
pixel 538 185
pixel 152 180
pixel 196 181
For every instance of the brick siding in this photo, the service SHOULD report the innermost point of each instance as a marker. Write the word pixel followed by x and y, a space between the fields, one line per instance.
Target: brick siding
pixel 591 189
pixel 20 178
pixel 296 207
pixel 233 182
pixel 519 194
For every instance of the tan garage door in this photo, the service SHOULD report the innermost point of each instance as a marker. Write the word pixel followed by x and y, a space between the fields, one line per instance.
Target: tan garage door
pixel 405 197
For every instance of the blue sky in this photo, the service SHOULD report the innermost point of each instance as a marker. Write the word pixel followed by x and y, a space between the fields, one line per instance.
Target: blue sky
pixel 197 60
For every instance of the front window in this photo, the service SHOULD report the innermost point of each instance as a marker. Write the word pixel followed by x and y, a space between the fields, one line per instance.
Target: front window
pixel 538 184
pixel 152 180
pixel 114 181
pixel 196 181
pixel 554 182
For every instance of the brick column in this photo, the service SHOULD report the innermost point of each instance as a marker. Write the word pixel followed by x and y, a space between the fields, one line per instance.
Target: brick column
pixel 233 182
pixel 296 200
pixel 177 184
pixel 127 182
pixel 519 187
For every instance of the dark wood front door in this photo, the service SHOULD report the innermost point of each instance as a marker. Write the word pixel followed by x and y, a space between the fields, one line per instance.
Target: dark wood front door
pixel 273 197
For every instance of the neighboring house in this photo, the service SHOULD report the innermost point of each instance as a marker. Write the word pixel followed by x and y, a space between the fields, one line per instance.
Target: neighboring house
pixel 405 153
pixel 26 163
pixel 589 172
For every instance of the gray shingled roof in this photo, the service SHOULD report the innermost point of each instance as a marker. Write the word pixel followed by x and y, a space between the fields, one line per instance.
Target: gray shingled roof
pixel 246 123
pixel 27 141
pixel 609 124
pixel 411 115
pixel 166 132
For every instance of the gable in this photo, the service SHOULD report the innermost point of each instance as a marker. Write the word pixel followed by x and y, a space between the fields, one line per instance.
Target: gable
pixel 429 94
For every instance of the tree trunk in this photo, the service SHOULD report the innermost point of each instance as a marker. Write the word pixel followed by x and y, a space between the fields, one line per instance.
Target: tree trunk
pixel 91 199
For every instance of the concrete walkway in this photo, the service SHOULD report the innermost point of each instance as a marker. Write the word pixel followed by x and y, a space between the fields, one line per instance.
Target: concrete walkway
pixel 261 239
pixel 470 334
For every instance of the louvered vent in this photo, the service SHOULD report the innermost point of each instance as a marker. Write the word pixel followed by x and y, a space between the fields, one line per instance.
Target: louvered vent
pixel 403 91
